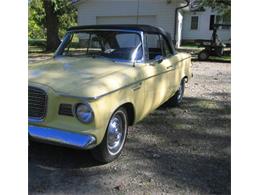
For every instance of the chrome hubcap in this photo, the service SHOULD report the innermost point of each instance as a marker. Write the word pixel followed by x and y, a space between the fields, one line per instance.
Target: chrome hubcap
pixel 116 133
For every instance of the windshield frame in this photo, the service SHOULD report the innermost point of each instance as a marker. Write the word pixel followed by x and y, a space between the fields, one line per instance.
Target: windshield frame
pixel 67 36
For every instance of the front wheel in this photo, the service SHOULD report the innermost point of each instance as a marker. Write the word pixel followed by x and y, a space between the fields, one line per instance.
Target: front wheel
pixel 114 139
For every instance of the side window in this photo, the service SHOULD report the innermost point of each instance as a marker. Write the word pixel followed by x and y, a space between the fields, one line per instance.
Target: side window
pixel 153 46
pixel 194 22
pixel 165 47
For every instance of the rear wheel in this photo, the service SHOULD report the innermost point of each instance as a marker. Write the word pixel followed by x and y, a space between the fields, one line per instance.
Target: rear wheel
pixel 114 139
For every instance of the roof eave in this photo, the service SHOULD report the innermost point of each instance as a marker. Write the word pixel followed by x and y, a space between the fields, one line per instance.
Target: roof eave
pixel 78 2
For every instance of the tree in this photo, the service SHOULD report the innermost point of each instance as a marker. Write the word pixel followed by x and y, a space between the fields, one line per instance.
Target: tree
pixel 54 17
pixel 52 22
pixel 222 6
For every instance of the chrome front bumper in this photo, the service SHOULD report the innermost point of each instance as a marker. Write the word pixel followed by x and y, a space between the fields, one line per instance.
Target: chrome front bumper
pixel 61 137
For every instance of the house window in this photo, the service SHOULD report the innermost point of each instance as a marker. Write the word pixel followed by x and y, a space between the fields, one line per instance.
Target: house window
pixel 194 22
pixel 212 21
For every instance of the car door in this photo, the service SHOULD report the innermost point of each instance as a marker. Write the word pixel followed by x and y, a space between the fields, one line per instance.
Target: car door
pixel 171 62
pixel 155 76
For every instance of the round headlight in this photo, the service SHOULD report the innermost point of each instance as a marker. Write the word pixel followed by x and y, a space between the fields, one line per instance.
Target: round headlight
pixel 84 113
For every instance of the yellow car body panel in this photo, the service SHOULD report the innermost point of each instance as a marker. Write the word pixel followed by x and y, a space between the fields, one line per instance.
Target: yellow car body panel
pixel 105 86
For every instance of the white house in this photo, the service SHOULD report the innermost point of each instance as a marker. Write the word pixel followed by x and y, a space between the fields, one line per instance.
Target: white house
pixel 198 25
pixel 153 12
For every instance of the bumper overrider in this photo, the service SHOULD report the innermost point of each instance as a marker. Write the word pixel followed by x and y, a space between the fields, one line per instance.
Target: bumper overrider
pixel 63 137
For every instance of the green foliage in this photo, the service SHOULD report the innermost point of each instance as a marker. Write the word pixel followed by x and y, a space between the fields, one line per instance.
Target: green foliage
pixel 65 11
pixel 36 18
pixel 67 15
pixel 221 6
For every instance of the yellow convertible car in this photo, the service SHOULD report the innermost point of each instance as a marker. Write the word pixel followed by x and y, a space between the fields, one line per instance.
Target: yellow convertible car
pixel 102 79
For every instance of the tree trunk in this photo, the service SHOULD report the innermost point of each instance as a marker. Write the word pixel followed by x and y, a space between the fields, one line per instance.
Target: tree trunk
pixel 53 40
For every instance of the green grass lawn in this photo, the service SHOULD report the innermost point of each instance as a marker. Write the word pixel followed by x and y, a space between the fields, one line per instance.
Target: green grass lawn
pixel 222 58
pixel 37 42
pixel 35 49
pixel 191 45
pixel 36 45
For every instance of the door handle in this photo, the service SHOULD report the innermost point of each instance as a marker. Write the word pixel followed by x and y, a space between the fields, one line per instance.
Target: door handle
pixel 137 86
pixel 171 66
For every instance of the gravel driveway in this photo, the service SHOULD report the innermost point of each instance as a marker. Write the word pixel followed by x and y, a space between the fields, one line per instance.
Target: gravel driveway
pixel 184 150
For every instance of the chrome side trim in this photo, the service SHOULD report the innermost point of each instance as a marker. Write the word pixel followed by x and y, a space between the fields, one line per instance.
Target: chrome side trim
pixel 100 96
pixel 61 136
pixel 184 59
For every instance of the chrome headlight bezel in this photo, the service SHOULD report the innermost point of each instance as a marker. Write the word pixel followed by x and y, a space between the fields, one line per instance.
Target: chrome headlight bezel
pixel 84 113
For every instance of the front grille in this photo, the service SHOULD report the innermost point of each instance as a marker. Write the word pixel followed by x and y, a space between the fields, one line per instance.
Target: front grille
pixel 37 103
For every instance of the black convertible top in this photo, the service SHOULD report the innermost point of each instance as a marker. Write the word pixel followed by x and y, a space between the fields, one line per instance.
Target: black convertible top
pixel 135 27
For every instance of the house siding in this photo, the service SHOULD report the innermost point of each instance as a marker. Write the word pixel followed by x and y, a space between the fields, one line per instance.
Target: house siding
pixel 203 31
pixel 90 11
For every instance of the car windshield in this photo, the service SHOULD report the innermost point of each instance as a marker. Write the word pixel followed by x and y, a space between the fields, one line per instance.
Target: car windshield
pixel 119 46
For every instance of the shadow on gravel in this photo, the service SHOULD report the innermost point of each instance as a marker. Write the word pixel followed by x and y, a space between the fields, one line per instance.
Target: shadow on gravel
pixel 58 170
pixel 60 157
pixel 195 145
pixel 186 148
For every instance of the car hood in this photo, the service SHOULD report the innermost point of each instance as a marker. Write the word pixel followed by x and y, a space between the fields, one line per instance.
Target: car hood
pixel 84 77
